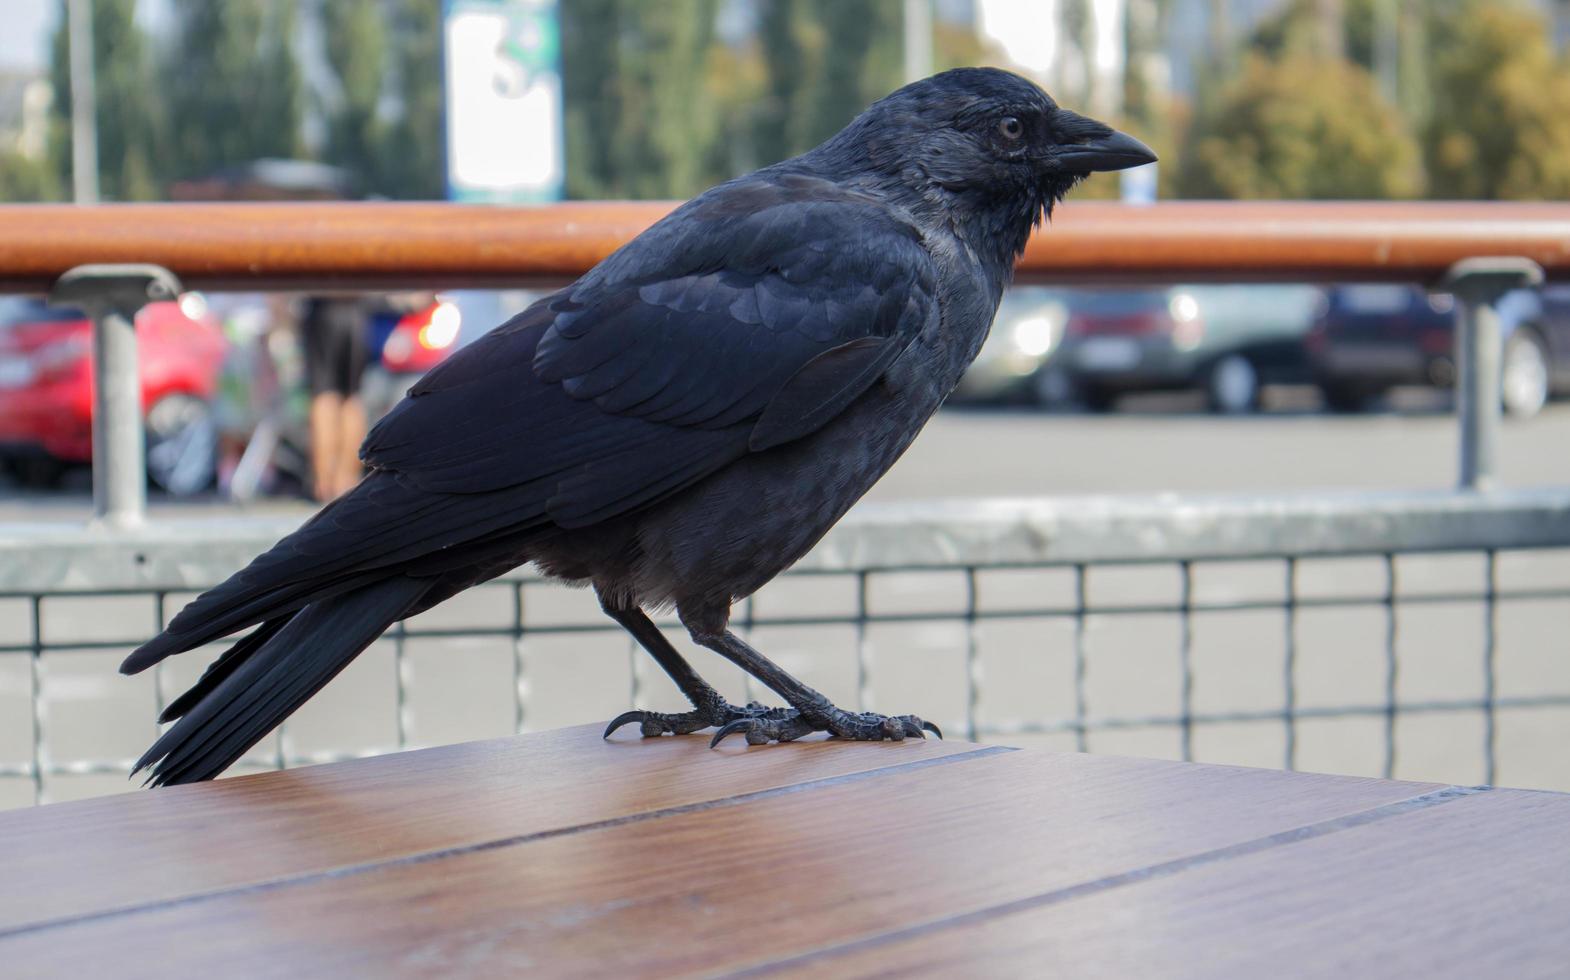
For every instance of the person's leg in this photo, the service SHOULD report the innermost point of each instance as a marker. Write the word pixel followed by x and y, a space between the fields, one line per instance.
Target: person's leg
pixel 351 432
pixel 352 354
pixel 325 428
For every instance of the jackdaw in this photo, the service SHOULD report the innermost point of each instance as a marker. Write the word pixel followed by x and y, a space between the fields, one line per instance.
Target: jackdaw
pixel 676 427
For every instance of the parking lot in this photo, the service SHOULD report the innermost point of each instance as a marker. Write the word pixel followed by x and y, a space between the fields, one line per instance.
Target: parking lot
pixel 1152 445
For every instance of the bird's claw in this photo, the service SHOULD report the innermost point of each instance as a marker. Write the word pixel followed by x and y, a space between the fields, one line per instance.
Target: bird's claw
pixel 653 723
pixel 863 727
pixel 761 731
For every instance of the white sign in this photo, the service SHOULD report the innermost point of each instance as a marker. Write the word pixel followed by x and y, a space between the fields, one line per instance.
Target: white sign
pixel 504 101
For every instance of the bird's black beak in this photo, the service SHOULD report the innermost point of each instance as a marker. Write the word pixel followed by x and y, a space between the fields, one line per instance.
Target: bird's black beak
pixel 1102 148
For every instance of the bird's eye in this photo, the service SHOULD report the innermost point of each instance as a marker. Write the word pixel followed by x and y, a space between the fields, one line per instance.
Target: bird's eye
pixel 1011 128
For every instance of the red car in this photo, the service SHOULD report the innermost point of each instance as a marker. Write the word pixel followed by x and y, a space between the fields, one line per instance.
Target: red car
pixel 46 390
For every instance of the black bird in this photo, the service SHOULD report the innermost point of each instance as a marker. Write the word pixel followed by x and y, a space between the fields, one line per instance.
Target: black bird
pixel 675 428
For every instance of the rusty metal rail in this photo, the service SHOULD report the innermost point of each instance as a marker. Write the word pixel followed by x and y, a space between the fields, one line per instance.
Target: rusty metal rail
pixel 1478 250
pixel 384 245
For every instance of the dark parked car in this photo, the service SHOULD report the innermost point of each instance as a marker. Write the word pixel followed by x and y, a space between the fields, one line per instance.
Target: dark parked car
pixel 1372 338
pixel 1229 341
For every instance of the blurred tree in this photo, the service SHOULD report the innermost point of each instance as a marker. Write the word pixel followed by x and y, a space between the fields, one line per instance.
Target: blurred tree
pixel 130 119
pixel 355 38
pixel 670 100
pixel 785 72
pixel 231 84
pixel 638 109
pixel 26 180
pixel 957 45
pixel 1500 127
pixel 589 31
pixel 858 59
pixel 1300 127
pixel 413 153
pixel 385 119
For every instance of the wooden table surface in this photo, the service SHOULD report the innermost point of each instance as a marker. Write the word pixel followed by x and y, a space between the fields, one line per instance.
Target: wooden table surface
pixel 559 854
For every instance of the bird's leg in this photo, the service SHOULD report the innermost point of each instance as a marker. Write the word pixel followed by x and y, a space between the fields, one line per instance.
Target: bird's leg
pixel 710 709
pixel 813 712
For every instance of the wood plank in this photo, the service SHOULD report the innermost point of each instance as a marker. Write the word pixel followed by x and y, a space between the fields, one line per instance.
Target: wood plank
pixel 726 886
pixel 1478 887
pixel 70 859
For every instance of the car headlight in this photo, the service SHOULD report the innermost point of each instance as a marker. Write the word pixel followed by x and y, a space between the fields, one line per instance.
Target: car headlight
pixel 1184 308
pixel 1033 335
pixel 193 305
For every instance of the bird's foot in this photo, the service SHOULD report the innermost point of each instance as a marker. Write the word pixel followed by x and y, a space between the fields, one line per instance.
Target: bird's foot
pixel 863 726
pixel 717 714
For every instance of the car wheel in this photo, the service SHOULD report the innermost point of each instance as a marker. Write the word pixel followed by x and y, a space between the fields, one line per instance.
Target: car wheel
pixel 1344 398
pixel 1097 398
pixel 35 472
pixel 1232 385
pixel 1523 382
pixel 182 445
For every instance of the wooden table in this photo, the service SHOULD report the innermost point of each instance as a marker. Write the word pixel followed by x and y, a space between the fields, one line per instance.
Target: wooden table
pixel 561 855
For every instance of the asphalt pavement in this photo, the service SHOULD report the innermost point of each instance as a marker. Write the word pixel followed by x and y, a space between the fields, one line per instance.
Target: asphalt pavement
pixel 1153 448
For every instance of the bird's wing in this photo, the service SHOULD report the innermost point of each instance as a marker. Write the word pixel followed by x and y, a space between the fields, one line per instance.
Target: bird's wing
pixel 747 319
pixel 765 307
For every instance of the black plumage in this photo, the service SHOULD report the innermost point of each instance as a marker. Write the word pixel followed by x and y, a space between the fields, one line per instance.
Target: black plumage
pixel 676 427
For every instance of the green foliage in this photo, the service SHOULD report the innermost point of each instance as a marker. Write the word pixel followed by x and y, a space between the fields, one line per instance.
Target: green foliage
pixel 413 163
pixel 858 55
pixel 24 180
pixel 356 45
pixel 1500 127
pixel 777 114
pixel 1300 127
pixel 232 86
pixel 385 124
pixel 656 105
pixel 637 113
pixel 130 112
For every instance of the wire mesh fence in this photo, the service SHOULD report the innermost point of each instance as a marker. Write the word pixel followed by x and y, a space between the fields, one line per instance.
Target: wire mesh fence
pixel 1417 636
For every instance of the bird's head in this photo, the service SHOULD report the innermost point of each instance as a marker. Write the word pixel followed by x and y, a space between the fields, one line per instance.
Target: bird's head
pixel 987 146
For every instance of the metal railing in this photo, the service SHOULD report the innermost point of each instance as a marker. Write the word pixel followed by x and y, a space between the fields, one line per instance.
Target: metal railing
pixel 977 549
pixel 1478 251
pixel 110 259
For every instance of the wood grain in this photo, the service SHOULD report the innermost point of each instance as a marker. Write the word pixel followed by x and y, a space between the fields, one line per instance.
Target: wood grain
pixel 73 859
pixel 1479 887
pixel 429 245
pixel 713 889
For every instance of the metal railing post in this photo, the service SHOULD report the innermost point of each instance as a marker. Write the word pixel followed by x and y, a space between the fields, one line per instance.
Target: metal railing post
pixel 1478 283
pixel 112 295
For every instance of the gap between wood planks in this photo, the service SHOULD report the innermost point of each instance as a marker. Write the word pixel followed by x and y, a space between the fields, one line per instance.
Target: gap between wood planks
pixel 502 842
pixel 1163 869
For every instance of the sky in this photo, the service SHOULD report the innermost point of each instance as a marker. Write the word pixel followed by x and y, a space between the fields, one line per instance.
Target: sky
pixel 24 42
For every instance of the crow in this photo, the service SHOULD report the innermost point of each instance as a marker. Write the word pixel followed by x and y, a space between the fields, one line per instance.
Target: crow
pixel 675 428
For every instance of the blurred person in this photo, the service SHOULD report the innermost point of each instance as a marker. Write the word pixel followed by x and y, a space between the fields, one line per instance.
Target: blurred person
pixel 261 405
pixel 333 334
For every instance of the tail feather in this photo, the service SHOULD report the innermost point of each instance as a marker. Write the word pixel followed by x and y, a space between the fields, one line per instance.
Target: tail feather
pixel 220 669
pixel 266 676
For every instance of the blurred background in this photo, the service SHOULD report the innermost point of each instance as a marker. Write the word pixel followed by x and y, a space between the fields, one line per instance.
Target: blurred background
pixel 1255 388
pixel 523 100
